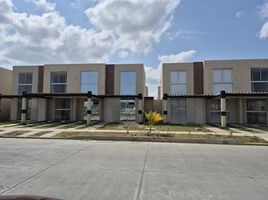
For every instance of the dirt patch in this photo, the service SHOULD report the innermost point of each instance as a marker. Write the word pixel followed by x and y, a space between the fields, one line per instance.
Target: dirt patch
pixel 15 133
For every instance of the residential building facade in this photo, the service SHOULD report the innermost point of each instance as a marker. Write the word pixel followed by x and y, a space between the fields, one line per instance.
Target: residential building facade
pixel 244 81
pixel 5 89
pixel 59 91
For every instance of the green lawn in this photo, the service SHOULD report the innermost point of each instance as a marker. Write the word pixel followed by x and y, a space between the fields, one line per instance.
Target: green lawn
pixel 260 127
pixel 72 125
pixel 8 122
pixel 35 124
pixel 242 128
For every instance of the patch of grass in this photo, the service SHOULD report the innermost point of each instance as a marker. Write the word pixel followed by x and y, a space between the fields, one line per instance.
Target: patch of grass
pixel 40 133
pixel 241 128
pixel 51 125
pixel 112 127
pixel 181 128
pixel 241 139
pixel 72 125
pixel 15 133
pixel 261 128
pixel 8 122
pixel 35 124
pixel 81 127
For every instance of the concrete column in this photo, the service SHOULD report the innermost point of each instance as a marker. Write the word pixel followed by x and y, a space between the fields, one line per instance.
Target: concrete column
pixel 89 108
pixel 165 112
pixel 140 109
pixel 241 112
pixel 223 109
pixel 23 108
pixel 73 108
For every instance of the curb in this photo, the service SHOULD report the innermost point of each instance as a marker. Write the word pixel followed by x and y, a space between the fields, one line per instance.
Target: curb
pixel 146 139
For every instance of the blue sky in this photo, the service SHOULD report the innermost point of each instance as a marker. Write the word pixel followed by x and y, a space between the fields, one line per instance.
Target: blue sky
pixel 131 31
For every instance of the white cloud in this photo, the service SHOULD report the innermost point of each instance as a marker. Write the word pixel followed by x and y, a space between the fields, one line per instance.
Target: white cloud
pixel 137 24
pixel 264 31
pixel 263 34
pixel 44 4
pixel 121 27
pixel 153 74
pixel 180 57
pixel 46 38
pixel 123 54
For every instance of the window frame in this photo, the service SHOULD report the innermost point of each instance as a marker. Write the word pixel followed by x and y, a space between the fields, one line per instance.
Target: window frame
pixel 260 81
pixel 179 84
pixel 222 82
pixel 128 84
pixel 25 84
pixel 58 83
pixel 90 84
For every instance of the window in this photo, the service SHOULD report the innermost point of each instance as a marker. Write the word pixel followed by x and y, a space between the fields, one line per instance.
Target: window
pixel 256 111
pixel 178 82
pixel 25 82
pixel 89 82
pixel 215 111
pixel 62 109
pixel 128 83
pixel 222 80
pixel 58 82
pixel 259 79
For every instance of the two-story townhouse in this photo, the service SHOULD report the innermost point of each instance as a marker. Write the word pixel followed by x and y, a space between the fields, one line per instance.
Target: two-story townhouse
pixel 5 89
pixel 191 91
pixel 245 80
pixel 177 81
pixel 59 92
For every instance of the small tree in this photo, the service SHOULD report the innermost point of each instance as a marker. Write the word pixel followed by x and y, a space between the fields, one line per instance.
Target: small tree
pixel 153 117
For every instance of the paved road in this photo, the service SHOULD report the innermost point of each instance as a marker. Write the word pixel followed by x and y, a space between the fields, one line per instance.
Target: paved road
pixel 130 170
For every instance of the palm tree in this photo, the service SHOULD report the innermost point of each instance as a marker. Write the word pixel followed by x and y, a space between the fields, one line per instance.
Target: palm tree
pixel 153 117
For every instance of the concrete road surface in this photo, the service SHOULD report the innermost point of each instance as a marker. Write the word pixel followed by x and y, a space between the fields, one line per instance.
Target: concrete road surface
pixel 94 170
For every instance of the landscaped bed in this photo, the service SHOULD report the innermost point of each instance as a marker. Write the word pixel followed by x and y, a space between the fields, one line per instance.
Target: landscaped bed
pixel 160 127
pixel 143 136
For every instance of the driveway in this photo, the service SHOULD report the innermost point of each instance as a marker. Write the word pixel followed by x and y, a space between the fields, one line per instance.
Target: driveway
pixel 131 170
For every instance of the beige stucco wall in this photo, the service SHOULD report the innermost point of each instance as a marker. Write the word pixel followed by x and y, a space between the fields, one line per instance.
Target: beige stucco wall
pixel 165 76
pixel 241 73
pixel 74 76
pixel 140 76
pixel 5 89
pixel 196 111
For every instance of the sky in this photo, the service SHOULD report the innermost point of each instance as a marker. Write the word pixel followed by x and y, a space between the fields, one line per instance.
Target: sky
pixel 150 32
